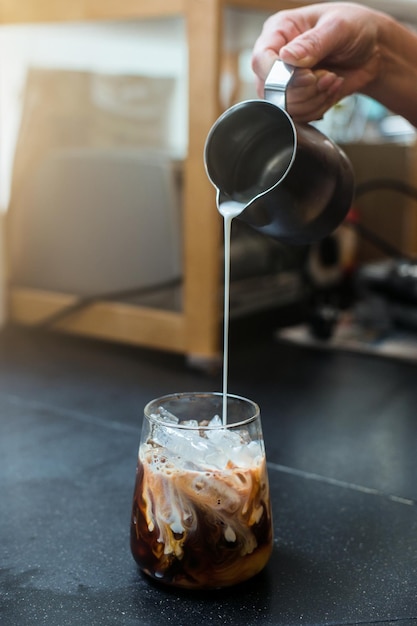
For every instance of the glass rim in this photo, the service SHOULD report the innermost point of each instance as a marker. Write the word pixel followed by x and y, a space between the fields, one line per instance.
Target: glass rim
pixel 155 419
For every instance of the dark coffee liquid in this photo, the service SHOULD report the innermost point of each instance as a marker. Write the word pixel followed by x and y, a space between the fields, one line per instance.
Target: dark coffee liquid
pixel 200 529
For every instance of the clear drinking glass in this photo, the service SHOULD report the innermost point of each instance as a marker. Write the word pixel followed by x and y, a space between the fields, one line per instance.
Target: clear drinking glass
pixel 201 514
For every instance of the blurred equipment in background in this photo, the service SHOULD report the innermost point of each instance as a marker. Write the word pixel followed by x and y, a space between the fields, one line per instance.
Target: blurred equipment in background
pixel 387 295
pixel 368 307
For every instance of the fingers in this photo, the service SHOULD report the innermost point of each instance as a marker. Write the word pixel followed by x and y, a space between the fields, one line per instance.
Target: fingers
pixel 311 93
pixel 303 38
pixel 262 63
pixel 277 31
pixel 301 52
pixel 313 45
pixel 278 34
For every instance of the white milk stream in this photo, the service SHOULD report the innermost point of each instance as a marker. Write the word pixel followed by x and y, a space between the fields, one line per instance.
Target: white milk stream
pixel 228 210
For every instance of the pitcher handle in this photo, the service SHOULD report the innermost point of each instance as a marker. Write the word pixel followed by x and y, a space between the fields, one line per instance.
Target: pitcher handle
pixel 276 82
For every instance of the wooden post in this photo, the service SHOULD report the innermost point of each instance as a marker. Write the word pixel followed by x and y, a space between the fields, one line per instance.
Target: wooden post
pixel 202 224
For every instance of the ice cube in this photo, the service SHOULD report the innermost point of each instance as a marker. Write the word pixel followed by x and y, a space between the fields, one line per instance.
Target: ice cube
pixel 215 422
pixel 158 429
pixel 231 446
pixel 215 459
pixel 204 449
pixel 247 455
pixel 190 423
pixel 186 448
pixel 167 416
pixel 224 437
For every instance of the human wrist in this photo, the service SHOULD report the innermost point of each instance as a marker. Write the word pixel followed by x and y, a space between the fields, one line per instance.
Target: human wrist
pixel 395 79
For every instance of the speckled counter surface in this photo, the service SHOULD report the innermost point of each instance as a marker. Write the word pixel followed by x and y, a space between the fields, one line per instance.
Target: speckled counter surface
pixel 341 437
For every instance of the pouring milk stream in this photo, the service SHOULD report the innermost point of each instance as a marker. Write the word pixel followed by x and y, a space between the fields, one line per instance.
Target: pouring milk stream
pixel 228 210
pixel 286 180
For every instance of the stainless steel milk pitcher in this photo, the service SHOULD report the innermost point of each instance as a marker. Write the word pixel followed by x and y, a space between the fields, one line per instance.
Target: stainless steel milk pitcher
pixel 292 181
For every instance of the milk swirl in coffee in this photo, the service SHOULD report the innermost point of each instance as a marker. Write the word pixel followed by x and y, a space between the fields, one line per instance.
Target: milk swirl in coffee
pixel 201 515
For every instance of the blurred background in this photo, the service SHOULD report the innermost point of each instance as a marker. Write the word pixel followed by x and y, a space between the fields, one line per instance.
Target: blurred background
pixel 98 158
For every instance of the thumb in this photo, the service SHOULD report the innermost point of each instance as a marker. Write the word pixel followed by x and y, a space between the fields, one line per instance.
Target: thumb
pixel 309 48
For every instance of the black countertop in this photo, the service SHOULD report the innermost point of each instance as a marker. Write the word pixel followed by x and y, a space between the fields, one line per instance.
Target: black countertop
pixel 341 438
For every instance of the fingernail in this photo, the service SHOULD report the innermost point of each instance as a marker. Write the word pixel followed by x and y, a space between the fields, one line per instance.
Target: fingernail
pixel 329 82
pixel 334 88
pixel 296 51
pixel 337 84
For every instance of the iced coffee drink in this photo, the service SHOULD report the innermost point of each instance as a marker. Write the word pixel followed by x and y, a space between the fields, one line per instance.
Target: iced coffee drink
pixel 201 515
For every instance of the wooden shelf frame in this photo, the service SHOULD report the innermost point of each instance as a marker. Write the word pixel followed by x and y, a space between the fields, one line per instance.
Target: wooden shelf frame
pixel 30 11
pixel 195 331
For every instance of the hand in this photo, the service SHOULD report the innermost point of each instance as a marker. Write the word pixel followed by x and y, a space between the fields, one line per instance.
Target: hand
pixel 334 47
